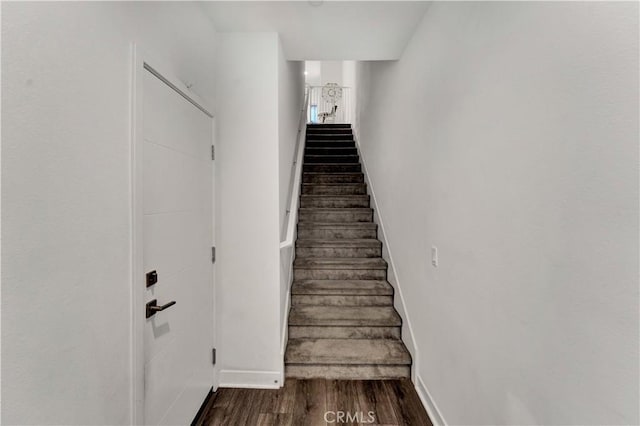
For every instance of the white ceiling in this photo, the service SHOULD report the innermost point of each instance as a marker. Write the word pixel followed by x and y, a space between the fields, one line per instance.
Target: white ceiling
pixel 325 30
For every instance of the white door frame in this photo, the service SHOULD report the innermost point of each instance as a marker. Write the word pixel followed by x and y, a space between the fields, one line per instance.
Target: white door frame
pixel 142 61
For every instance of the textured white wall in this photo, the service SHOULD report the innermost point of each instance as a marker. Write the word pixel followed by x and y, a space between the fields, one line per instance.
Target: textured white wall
pixel 66 200
pixel 247 209
pixel 507 136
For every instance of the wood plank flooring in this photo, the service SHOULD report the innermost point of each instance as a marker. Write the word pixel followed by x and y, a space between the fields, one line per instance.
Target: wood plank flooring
pixel 305 402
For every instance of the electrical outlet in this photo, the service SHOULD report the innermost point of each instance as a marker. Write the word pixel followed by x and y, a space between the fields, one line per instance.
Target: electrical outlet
pixel 434 256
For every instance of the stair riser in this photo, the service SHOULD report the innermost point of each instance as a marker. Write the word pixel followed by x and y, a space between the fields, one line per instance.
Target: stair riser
pixel 332 168
pixel 326 136
pixel 338 252
pixel 310 159
pixel 339 216
pixel 311 126
pixel 341 288
pixel 339 274
pixel 338 234
pixel 333 178
pixel 323 332
pixel 341 300
pixel 334 203
pixel 347 372
pixel 329 137
pixel 330 144
pixel 335 130
pixel 330 151
pixel 356 189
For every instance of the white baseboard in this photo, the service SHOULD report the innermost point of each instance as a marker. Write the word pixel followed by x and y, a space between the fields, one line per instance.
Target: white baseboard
pixel 284 333
pixel 284 327
pixel 399 303
pixel 429 404
pixel 250 379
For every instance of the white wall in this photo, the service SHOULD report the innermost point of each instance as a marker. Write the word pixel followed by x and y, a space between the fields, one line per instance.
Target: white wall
pixel 320 73
pixel 313 70
pixel 290 102
pixel 349 80
pixel 248 210
pixel 66 287
pixel 331 72
pixel 507 136
pixel 291 81
pixel 349 73
pixel 326 30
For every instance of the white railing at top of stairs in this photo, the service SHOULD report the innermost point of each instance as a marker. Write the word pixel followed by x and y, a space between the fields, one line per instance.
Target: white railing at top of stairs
pixel 296 170
pixel 319 105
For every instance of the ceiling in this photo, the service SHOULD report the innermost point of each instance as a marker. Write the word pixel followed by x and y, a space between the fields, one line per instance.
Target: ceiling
pixel 325 30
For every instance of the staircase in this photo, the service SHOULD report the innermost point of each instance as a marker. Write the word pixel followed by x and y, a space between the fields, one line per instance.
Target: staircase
pixel 342 323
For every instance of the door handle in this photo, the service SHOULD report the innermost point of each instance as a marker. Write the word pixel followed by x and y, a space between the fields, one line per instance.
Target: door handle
pixel 152 307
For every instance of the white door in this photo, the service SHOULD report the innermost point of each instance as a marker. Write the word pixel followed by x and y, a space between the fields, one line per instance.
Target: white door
pixel 177 241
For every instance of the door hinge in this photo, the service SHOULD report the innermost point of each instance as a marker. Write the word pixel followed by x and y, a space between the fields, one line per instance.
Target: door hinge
pixel 213 152
pixel 213 255
pixel 213 356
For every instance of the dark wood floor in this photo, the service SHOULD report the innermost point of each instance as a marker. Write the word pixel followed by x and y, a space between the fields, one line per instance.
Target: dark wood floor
pixel 305 402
